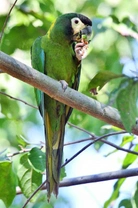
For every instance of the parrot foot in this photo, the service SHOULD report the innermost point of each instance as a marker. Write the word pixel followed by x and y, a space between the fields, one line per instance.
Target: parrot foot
pixel 64 84
pixel 81 50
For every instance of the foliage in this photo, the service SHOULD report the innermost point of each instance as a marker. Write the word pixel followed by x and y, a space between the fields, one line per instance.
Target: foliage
pixel 100 79
pixel 111 64
pixel 29 179
pixel 128 109
pixel 7 190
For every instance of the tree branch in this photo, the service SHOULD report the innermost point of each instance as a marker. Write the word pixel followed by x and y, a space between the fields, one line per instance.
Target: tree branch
pixel 53 88
pixel 99 177
pixel 125 173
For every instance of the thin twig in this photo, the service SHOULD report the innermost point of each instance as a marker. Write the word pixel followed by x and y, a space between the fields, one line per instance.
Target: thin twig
pixel 80 151
pixel 85 147
pixel 22 151
pixel 17 99
pixel 19 152
pixel 119 148
pixel 102 140
pixel 78 141
pixel 6 21
pixel 39 188
pixel 81 129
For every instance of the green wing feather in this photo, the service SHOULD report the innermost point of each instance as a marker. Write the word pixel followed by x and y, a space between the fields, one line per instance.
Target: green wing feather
pixel 38 62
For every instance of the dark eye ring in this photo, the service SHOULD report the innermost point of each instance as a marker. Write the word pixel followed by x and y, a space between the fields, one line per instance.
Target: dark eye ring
pixel 76 21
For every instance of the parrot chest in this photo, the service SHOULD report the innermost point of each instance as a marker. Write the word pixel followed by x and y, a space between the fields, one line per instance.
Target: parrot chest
pixel 60 63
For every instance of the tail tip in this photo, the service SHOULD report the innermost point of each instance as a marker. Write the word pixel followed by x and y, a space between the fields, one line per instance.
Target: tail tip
pixel 55 192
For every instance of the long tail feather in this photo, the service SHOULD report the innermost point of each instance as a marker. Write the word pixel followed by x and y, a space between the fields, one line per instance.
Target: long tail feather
pixel 54 146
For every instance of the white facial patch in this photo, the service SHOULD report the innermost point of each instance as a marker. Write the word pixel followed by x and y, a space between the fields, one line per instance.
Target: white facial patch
pixel 77 25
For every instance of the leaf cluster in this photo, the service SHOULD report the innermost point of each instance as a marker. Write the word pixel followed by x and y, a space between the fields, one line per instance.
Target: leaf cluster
pixel 26 173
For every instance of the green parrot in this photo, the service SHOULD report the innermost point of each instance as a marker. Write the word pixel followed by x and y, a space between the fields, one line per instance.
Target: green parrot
pixel 58 54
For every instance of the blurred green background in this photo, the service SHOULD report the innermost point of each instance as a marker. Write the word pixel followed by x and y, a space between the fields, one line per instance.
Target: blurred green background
pixel 113 48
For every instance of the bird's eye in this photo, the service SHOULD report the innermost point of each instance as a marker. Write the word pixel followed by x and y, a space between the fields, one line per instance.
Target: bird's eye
pixel 76 21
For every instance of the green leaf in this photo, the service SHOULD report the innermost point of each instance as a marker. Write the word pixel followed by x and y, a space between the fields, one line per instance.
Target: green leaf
pixel 9 108
pixel 126 139
pixel 101 78
pixel 128 107
pixel 22 141
pixel 12 41
pixel 115 19
pixel 136 196
pixel 115 193
pixel 29 179
pixel 130 158
pixel 127 21
pixel 62 173
pixel 37 159
pixel 7 183
pixel 126 203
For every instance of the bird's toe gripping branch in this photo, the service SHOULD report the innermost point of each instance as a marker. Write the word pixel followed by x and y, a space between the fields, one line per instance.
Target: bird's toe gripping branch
pixel 81 50
pixel 64 84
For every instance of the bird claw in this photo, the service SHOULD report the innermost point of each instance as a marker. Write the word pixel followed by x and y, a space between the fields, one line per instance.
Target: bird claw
pixel 64 84
pixel 81 50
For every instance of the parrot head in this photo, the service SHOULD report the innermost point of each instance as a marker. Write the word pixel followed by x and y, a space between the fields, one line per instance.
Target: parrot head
pixel 79 22
pixel 71 25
